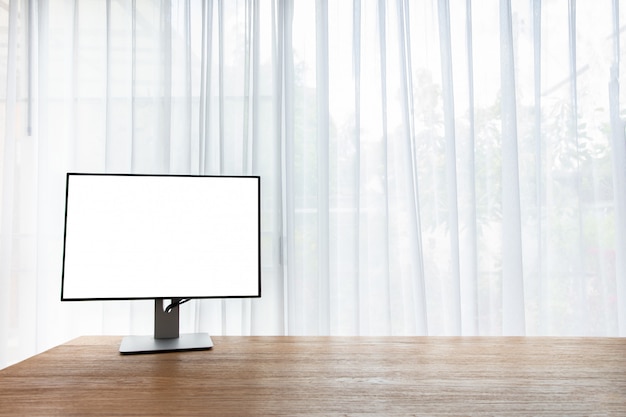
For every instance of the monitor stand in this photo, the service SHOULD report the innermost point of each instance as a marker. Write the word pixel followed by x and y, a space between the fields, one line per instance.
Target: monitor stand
pixel 166 337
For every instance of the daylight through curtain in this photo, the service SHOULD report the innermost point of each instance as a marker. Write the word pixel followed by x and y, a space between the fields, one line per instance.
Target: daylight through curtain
pixel 428 167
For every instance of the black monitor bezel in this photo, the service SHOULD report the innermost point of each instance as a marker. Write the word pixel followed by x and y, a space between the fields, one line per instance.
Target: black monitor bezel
pixel 174 296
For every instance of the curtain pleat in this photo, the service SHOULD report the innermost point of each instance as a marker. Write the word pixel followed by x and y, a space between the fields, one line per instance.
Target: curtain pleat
pixel 618 143
pixel 165 59
pixel 205 85
pixel 454 301
pixel 278 245
pixel 469 274
pixel 578 278
pixel 354 253
pixel 220 169
pixel 248 92
pixel 416 306
pixel 381 281
pixel 323 157
pixel 513 309
pixel 133 86
pixel 109 154
pixel 539 152
pixel 287 129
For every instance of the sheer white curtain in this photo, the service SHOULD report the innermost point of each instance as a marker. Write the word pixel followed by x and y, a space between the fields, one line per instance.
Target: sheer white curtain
pixel 428 167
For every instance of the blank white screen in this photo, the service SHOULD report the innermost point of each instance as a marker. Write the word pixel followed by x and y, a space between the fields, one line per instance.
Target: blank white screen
pixel 135 236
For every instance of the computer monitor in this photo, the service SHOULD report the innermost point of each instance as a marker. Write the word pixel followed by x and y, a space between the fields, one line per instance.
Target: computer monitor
pixel 170 238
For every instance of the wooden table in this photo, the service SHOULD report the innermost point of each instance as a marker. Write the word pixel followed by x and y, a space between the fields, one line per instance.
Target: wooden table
pixel 325 376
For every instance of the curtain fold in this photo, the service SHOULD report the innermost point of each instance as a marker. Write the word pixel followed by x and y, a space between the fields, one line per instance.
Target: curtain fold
pixel 451 163
pixel 428 167
pixel 513 312
pixel 618 156
pixel 469 241
pixel 416 287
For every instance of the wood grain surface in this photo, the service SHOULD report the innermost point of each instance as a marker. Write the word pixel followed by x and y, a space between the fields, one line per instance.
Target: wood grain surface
pixel 325 376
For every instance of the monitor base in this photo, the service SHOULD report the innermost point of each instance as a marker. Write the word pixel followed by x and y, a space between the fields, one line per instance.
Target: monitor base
pixel 149 344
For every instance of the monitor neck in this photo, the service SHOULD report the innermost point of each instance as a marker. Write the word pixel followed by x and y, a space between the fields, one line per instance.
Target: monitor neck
pixel 166 321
